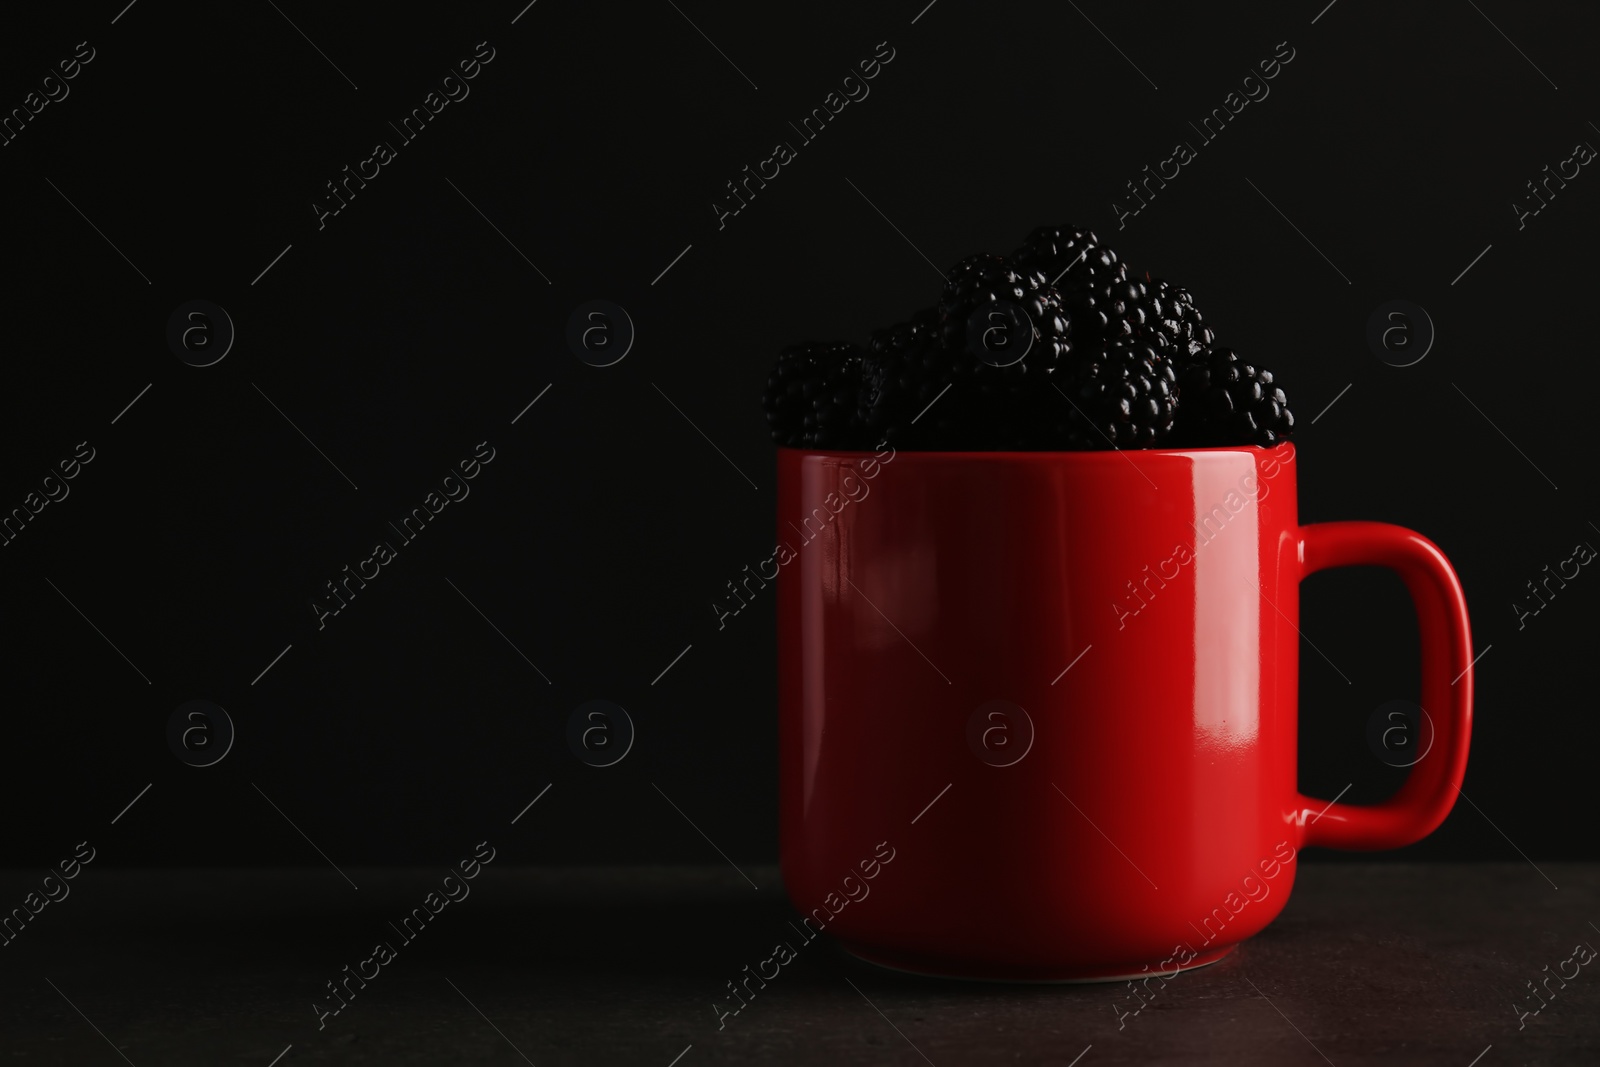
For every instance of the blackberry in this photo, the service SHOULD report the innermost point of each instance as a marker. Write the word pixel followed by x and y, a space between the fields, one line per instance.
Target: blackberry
pixel 1089 276
pixel 931 403
pixel 886 361
pixel 1168 302
pixel 902 335
pixel 987 406
pixel 1173 323
pixel 788 393
pixel 927 394
pixel 1063 253
pixel 1108 359
pixel 980 280
pixel 1229 402
pixel 1109 306
pixel 811 394
pixel 922 396
pixel 1122 396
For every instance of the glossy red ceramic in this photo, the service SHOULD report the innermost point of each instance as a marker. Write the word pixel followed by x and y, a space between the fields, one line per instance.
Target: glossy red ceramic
pixel 1058 692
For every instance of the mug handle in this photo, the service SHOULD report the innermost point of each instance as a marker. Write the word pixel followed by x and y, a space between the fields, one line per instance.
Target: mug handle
pixel 1429 792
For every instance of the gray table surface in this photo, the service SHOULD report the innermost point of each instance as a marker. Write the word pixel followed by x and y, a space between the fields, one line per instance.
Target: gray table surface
pixel 1369 964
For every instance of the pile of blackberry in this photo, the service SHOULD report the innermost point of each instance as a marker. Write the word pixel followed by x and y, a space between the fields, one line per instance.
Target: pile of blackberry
pixel 1058 346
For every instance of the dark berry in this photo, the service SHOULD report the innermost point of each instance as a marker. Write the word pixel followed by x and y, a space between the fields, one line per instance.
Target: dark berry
pixel 812 394
pixel 1064 253
pixel 1173 323
pixel 1121 396
pixel 928 394
pixel 993 392
pixel 886 361
pixel 981 280
pixel 1229 402
pixel 902 335
pixel 924 396
pixel 1103 301
pixel 833 410
pixel 1100 357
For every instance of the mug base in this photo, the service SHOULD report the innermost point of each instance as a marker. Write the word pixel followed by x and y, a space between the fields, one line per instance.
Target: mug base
pixel 926 967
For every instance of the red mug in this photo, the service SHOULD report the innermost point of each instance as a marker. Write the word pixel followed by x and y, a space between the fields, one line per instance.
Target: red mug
pixel 1037 710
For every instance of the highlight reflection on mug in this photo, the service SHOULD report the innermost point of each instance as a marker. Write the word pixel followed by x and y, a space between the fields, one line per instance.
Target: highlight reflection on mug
pixel 1000 733
pixel 600 733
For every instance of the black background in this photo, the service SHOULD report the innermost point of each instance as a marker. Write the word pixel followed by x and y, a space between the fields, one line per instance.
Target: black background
pixel 408 330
